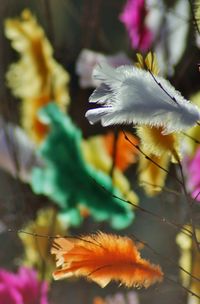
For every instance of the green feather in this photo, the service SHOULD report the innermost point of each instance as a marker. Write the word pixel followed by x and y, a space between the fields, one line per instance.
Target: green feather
pixel 69 181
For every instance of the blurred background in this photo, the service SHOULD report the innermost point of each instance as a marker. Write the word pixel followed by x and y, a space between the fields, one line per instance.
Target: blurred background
pixel 74 28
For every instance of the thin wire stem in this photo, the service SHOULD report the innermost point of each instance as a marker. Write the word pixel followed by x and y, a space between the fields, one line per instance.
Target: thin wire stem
pixel 151 160
pixel 166 189
pixel 183 287
pixel 156 216
pixel 163 89
pixel 50 237
pixel 99 268
pixel 192 138
pixel 165 257
pixel 182 183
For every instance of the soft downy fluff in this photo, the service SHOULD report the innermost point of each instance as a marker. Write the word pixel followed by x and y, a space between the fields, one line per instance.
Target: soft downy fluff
pixel 130 95
pixel 102 258
pixel 71 181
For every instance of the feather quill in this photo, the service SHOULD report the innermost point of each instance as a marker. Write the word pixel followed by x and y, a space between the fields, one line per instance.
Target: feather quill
pixel 130 95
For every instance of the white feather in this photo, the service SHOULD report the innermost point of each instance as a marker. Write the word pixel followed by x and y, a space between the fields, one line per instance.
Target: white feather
pixel 131 95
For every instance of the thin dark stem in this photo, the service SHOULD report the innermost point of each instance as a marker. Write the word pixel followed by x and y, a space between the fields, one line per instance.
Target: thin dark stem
pixel 190 204
pixel 156 216
pixel 165 257
pixel 151 160
pixel 182 183
pixel 166 189
pixel 166 277
pixel 163 89
pixel 109 265
pixel 50 232
pixel 197 196
pixel 192 138
pixel 183 287
pixel 52 237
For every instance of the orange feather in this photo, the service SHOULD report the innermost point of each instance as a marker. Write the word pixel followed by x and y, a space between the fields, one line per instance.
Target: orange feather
pixel 126 154
pixel 104 257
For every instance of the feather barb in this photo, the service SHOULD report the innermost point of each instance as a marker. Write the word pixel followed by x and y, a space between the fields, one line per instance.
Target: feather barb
pixel 104 257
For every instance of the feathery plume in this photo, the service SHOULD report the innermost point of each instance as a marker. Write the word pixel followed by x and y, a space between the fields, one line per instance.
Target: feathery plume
pixel 36 78
pixel 153 141
pixel 131 95
pixel 104 257
pixel 70 181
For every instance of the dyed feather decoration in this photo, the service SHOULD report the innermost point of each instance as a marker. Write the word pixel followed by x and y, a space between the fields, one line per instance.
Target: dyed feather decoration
pixel 70 181
pixel 130 95
pixel 102 258
pixel 126 154
pixel 154 142
pixel 36 78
